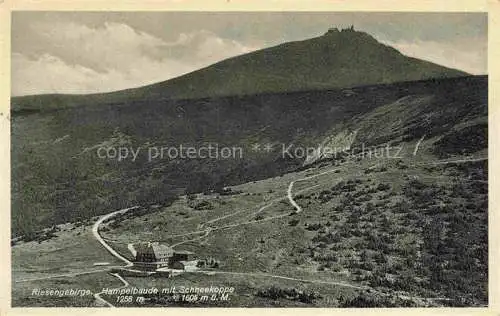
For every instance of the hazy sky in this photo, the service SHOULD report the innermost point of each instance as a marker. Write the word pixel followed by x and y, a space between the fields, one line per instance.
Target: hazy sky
pixel 84 52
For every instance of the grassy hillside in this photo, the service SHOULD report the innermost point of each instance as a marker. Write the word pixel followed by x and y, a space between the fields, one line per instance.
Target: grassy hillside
pixel 338 59
pixel 407 229
pixel 373 232
pixel 57 175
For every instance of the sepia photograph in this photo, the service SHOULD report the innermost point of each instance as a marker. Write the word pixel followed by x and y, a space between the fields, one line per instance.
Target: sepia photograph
pixel 266 159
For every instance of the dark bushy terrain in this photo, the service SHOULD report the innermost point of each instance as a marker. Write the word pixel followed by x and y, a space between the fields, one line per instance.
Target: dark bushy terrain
pixel 426 238
pixel 464 141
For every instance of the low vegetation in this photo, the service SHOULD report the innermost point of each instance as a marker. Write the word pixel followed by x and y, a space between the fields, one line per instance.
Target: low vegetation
pixel 293 294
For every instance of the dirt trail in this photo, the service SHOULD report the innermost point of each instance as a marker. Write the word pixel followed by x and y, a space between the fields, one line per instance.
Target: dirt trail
pixel 95 232
pixel 98 297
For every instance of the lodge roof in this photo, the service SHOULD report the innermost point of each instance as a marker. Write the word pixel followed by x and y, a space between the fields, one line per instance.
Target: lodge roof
pixel 156 249
pixel 159 250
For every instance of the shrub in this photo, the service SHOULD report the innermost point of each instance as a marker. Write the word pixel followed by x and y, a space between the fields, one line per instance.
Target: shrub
pixel 293 294
pixel 203 205
pixel 293 222
pixel 314 226
pixel 383 187
pixel 364 300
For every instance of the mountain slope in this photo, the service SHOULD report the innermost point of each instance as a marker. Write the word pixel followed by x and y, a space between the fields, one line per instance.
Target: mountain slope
pixel 58 176
pixel 338 59
pixel 409 217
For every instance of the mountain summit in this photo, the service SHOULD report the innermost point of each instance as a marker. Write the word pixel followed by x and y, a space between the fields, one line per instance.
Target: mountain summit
pixel 338 59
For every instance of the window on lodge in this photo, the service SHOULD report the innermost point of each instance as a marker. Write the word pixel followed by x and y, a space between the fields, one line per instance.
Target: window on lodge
pixel 146 257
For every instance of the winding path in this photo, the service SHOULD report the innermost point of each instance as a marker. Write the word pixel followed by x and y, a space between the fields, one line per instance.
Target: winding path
pixel 65 275
pixel 289 196
pixel 459 161
pixel 128 263
pixel 98 297
pixel 95 232
pixel 290 188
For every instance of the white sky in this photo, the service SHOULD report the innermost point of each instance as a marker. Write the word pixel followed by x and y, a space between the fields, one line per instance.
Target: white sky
pixel 85 52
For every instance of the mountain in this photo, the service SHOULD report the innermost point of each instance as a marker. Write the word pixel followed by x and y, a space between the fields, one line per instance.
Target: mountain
pixel 338 59
pixel 356 177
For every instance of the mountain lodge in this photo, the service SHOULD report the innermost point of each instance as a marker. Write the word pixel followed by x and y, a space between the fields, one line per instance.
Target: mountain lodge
pixel 151 256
